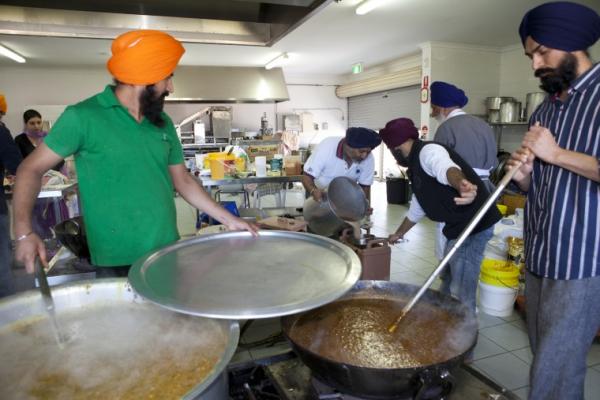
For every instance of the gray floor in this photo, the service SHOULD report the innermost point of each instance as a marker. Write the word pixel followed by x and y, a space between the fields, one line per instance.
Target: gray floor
pixel 502 353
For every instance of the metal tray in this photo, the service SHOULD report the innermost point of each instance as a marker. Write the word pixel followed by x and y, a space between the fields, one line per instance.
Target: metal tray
pixel 236 276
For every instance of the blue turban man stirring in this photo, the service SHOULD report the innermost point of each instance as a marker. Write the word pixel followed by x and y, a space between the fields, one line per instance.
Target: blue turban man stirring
pixel 348 156
pixel 561 175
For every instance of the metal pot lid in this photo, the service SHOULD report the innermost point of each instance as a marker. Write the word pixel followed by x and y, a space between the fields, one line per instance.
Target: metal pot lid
pixel 236 276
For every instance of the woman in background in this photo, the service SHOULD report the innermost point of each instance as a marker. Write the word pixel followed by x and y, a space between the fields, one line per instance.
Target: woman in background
pixel 44 214
pixel 33 135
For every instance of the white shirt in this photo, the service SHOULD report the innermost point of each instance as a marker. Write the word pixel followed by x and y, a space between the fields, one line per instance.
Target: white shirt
pixel 327 162
pixel 435 161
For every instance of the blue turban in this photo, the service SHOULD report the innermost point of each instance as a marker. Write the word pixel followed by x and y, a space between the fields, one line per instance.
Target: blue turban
pixel 360 138
pixel 446 95
pixel 561 25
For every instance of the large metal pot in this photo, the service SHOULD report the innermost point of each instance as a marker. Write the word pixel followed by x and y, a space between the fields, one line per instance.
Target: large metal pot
pixel 344 200
pixel 509 111
pixel 494 103
pixel 419 382
pixel 533 100
pixel 83 296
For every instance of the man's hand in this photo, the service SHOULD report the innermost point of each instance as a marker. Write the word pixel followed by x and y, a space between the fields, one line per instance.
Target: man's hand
pixel 395 237
pixel 524 156
pixel 467 191
pixel 238 224
pixel 317 194
pixel 28 249
pixel 541 143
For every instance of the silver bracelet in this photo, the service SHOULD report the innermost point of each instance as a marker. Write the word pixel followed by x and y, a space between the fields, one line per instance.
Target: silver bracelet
pixel 22 237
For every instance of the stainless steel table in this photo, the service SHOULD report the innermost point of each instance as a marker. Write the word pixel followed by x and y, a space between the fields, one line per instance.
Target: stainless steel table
pixel 210 183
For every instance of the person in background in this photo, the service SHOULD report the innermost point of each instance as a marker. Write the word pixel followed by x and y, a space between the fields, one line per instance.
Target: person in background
pixel 471 137
pixel 445 189
pixel 33 135
pixel 348 156
pixel 9 161
pixel 44 218
pixel 561 175
pixel 129 161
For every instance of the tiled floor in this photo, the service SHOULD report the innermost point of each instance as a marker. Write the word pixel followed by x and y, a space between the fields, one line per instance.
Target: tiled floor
pixel 502 352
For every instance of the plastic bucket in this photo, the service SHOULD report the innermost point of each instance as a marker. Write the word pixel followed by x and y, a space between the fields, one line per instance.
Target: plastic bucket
pixel 495 300
pixel 221 165
pixel 499 273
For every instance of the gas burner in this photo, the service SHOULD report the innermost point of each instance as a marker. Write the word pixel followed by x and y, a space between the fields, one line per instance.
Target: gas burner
pixel 327 392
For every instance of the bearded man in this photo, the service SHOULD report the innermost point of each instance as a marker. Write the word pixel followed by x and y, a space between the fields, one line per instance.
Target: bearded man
pixel 561 176
pixel 129 161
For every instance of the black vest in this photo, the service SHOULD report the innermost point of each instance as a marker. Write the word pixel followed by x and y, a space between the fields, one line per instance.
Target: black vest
pixel 437 200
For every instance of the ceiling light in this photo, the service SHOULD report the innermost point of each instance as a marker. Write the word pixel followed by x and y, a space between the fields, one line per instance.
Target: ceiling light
pixel 278 61
pixel 368 6
pixel 11 54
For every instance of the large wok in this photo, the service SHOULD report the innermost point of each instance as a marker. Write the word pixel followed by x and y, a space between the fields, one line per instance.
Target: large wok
pixel 83 296
pixel 425 381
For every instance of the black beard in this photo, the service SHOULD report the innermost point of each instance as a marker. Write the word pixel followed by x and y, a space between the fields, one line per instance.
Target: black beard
pixel 152 105
pixel 400 159
pixel 557 80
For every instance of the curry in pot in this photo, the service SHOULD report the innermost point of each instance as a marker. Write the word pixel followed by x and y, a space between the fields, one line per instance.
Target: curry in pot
pixel 355 331
pixel 125 352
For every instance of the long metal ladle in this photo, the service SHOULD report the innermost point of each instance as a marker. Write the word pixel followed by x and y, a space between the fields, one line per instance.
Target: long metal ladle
pixel 49 302
pixel 463 236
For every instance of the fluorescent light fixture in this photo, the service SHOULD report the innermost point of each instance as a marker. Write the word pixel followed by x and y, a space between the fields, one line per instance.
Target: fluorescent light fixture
pixel 368 6
pixel 278 61
pixel 11 54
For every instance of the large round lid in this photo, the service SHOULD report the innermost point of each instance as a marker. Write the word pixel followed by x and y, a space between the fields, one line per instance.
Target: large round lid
pixel 234 275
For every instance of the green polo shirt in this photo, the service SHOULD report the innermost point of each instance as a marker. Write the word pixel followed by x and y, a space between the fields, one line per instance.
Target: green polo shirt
pixel 124 182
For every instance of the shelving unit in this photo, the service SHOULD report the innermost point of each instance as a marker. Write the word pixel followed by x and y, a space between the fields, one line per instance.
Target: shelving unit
pixel 498 128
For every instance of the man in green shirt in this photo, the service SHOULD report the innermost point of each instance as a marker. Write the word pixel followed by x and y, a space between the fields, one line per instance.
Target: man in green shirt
pixel 129 161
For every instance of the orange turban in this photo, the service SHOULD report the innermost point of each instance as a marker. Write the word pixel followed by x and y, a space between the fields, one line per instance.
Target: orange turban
pixel 144 57
pixel 3 106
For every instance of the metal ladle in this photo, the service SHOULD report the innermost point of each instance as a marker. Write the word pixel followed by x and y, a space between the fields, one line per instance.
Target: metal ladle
pixel 49 303
pixel 463 236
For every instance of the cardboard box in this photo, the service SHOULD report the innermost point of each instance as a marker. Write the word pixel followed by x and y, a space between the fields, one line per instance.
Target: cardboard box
pixel 512 201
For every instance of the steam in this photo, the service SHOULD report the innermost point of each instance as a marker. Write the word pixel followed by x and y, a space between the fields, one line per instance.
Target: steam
pixel 118 345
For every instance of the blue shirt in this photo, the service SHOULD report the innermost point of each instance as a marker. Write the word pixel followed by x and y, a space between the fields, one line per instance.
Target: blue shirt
pixel 562 214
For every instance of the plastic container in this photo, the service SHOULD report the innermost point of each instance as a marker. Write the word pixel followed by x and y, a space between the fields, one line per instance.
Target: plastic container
pixel 502 208
pixel 220 164
pixel 499 273
pixel 260 164
pixel 495 300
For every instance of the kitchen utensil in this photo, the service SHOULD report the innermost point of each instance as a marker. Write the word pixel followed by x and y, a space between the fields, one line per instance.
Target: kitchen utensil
pixel 494 116
pixel 509 111
pixel 48 302
pixel 343 200
pixel 383 380
pixel 494 103
pixel 84 298
pixel 533 100
pixel 234 275
pixel 459 241
pixel 71 233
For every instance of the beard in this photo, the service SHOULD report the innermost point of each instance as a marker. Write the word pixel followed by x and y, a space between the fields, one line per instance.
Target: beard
pixel 400 158
pixel 557 80
pixel 152 105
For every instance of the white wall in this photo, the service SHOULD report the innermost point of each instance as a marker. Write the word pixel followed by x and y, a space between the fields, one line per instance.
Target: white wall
pixel 51 87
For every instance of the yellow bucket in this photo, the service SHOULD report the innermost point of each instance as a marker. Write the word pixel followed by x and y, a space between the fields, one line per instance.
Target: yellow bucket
pixel 499 273
pixel 221 165
pixel 502 208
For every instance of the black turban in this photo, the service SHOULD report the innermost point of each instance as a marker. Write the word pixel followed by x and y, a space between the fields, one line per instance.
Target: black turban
pixel 561 25
pixel 360 138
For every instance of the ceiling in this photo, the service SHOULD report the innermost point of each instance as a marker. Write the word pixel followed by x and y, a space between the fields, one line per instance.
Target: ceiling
pixel 326 38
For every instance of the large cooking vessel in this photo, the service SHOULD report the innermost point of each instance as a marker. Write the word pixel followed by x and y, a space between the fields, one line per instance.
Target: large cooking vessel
pixel 420 381
pixel 81 297
pixel 533 100
pixel 344 200
pixel 509 111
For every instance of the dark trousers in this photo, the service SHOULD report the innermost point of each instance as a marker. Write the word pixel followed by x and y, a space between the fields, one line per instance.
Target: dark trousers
pixel 562 320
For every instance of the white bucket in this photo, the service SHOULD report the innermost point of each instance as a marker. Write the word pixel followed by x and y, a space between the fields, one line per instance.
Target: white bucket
pixel 496 300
